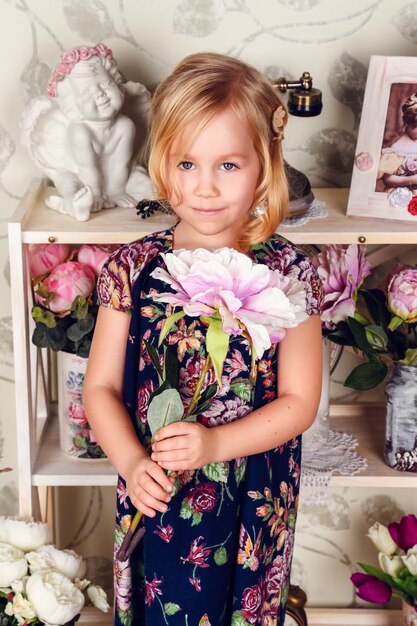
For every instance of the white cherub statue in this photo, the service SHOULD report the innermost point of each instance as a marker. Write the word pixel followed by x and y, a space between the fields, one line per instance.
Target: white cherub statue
pixel 88 132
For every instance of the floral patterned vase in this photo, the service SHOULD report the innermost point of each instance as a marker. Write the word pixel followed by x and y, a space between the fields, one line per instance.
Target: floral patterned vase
pixel 409 615
pixel 401 418
pixel 75 435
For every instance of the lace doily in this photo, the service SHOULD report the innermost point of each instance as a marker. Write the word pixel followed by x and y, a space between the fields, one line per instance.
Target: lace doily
pixel 317 209
pixel 325 452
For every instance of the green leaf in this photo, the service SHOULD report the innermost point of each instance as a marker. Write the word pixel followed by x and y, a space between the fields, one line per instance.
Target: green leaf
pixel 238 620
pixel 240 471
pixel 204 401
pixel 170 608
pixel 80 443
pixel 376 337
pixel 217 471
pixel 197 517
pixel 154 356
pixel 165 408
pixel 221 556
pixel 57 338
pixel 395 323
pixel 79 307
pixel 359 334
pixel 367 375
pixel 74 333
pixel 39 337
pixel 217 342
pixel 42 316
pixel 376 304
pixel 186 511
pixel 410 357
pixel 172 367
pixel 168 325
pixel 242 389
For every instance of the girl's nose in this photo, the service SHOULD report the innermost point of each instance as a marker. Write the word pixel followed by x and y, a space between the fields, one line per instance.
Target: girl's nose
pixel 206 185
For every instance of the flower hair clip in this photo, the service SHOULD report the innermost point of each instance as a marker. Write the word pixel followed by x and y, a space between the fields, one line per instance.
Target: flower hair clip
pixel 70 58
pixel 278 122
pixel 146 208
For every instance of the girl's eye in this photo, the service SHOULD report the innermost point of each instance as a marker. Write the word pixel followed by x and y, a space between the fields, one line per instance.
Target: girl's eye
pixel 229 167
pixel 186 165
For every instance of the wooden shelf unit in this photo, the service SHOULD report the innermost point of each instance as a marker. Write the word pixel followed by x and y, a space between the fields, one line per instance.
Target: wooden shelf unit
pixel 41 462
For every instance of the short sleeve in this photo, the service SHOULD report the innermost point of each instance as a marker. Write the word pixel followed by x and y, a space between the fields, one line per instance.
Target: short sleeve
pixel 312 283
pixel 114 282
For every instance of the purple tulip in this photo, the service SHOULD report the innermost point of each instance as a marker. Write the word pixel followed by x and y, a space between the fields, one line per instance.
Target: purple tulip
pixel 404 533
pixel 371 588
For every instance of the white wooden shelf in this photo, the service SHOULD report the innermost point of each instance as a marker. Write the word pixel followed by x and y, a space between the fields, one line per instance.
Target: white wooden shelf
pixel 38 224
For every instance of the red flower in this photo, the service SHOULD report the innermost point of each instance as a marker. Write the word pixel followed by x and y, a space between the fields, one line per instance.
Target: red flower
pixel 203 497
pixel 165 532
pixel 152 589
pixel 251 603
pixel 195 583
pixel 412 207
pixel 198 554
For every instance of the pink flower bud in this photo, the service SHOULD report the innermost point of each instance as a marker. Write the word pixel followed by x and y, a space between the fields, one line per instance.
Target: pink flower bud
pixel 402 295
pixel 95 256
pixel 43 257
pixel 66 282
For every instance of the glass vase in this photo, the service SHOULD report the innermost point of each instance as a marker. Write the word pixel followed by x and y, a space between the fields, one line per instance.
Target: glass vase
pixel 401 418
pixel 409 615
pixel 75 435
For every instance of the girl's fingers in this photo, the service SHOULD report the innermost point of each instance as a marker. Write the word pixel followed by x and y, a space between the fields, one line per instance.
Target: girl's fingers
pixel 152 503
pixel 157 484
pixel 172 455
pixel 172 443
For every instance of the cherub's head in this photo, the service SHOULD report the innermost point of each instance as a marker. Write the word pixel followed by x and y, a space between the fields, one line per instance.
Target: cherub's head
pixel 87 84
pixel 200 87
pixel 409 110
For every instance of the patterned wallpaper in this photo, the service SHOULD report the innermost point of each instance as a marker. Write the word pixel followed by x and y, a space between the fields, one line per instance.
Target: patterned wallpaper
pixel 331 39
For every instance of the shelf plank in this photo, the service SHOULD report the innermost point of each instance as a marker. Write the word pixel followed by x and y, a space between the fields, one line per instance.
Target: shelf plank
pixel 123 225
pixel 56 468
pixel 348 617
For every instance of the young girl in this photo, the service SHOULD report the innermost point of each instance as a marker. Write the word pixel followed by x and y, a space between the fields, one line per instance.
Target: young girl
pixel 218 546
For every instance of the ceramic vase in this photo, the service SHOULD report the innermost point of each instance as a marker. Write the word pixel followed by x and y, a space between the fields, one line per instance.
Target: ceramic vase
pixel 401 418
pixel 409 615
pixel 75 435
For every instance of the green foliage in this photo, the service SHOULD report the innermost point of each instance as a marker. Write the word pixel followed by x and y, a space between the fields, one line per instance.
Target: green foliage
pixel 221 556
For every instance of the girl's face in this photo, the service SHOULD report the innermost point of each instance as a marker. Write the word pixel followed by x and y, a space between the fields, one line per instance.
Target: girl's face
pixel 217 178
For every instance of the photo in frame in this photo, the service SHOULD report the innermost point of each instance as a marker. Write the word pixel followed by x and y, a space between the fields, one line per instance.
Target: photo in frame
pixel 384 178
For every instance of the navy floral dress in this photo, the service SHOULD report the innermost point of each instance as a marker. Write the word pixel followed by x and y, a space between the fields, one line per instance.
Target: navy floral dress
pixel 221 555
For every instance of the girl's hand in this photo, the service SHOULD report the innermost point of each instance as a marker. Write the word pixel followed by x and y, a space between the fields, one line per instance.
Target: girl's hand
pixel 147 486
pixel 184 446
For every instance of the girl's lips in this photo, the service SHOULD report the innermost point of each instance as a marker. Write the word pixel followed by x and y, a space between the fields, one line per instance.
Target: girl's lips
pixel 207 213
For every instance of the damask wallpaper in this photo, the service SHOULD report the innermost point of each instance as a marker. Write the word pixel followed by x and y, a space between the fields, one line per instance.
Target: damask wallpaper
pixel 333 40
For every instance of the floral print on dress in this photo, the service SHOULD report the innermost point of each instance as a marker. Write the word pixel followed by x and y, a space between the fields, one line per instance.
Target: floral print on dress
pixel 221 554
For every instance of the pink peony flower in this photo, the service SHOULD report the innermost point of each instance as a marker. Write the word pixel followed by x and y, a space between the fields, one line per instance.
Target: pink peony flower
pixel 77 415
pixel 402 295
pixel 43 257
pixel 66 282
pixel 247 296
pixel 95 256
pixel 342 270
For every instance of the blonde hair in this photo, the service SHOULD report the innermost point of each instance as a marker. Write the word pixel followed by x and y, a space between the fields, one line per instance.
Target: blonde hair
pixel 198 88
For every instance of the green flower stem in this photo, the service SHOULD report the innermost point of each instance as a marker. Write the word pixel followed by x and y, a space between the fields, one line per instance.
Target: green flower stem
pixel 407 336
pixel 196 394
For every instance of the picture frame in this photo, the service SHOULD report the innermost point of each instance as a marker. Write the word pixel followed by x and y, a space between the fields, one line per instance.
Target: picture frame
pixel 384 178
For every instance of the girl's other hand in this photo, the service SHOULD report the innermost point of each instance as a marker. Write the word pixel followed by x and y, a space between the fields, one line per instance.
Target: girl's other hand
pixel 147 485
pixel 184 446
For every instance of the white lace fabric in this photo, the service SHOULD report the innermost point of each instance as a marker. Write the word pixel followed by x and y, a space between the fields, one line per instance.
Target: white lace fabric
pixel 324 453
pixel 316 210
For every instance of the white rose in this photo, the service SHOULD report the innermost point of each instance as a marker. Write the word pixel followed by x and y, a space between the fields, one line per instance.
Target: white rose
pixel 19 586
pixel 67 562
pixel 390 565
pixel 382 540
pixel 12 564
pixel 24 535
pixel 98 598
pixel 410 560
pixel 38 561
pixel 20 608
pixel 82 584
pixel 55 598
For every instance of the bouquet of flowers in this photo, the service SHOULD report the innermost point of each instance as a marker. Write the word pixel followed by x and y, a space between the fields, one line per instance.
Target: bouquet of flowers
pixel 64 282
pixel 39 584
pixel 381 323
pixel 237 297
pixel 396 575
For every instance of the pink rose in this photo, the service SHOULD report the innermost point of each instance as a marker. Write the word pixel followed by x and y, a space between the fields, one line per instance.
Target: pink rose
pixel 203 497
pixel 251 603
pixel 342 270
pixel 410 165
pixel 103 50
pixel 77 415
pixel 43 257
pixel 71 57
pixel 402 295
pixel 95 256
pixel 85 53
pixel 66 282
pixel 62 69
